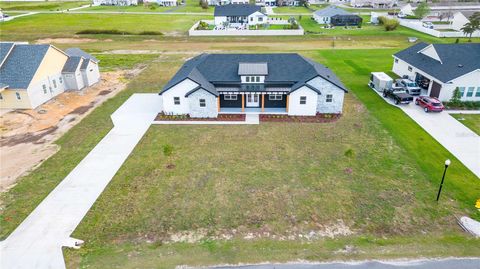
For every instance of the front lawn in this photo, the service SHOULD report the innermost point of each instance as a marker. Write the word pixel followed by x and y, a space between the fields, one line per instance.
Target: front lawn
pixel 472 121
pixel 292 10
pixel 41 5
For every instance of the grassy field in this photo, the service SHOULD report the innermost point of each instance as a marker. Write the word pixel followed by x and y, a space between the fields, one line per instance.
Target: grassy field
pixel 41 6
pixel 292 10
pixel 472 121
pixel 191 6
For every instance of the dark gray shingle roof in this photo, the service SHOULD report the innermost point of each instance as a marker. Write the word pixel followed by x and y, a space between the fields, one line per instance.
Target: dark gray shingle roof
pixel 21 65
pixel 283 69
pixel 236 10
pixel 457 59
pixel 4 50
pixel 80 53
pixel 331 11
pixel 72 64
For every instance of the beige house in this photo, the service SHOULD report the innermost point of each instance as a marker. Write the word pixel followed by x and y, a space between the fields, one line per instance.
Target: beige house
pixel 30 75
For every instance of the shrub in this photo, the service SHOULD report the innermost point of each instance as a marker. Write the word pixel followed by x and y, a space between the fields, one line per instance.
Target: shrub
pixel 349 153
pixel 391 25
pixel 150 33
pixel 167 149
pixel 202 26
pixel 102 32
pixel 203 4
pixel 382 20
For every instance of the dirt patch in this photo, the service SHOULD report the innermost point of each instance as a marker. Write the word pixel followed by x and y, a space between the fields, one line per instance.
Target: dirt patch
pixel 27 136
pixel 68 40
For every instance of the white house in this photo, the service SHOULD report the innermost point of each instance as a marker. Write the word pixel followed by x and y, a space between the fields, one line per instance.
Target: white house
pixel 239 15
pixel 115 2
pixel 336 16
pixel 163 3
pixel 226 2
pixel 406 10
pixel 266 3
pixel 460 19
pixel 209 84
pixel 442 68
pixel 30 75
pixel 374 3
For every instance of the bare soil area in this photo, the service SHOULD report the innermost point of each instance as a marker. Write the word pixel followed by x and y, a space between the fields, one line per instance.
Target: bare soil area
pixel 67 40
pixel 27 136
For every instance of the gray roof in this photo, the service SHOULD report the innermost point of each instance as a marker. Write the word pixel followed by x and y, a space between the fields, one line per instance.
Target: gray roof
pixel 5 48
pixel 457 59
pixel 236 10
pixel 21 65
pixel 72 64
pixel 252 69
pixel 80 53
pixel 284 70
pixel 331 11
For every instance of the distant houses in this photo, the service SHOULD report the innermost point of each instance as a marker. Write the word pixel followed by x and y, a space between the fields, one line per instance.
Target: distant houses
pixel 374 3
pixel 30 75
pixel 336 16
pixel 115 2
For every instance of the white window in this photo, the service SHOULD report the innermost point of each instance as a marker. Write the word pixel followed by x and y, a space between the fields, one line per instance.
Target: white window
pixel 257 79
pixel 410 68
pixel 461 90
pixel 329 98
pixel 60 80
pixel 44 89
pixel 477 94
pixel 470 91
pixel 274 97
pixel 396 60
pixel 260 19
pixel 54 84
pixel 230 97
pixel 176 100
pixel 17 94
pixel 248 79
pixel 1 96
pixel 303 100
pixel 202 103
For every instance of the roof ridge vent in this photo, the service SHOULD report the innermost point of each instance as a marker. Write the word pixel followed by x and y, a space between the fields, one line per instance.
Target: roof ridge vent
pixel 460 65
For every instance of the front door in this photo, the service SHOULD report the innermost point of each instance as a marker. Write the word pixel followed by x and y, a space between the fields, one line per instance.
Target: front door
pixel 435 91
pixel 252 100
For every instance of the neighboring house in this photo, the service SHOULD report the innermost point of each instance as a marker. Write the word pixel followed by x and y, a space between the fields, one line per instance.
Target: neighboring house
pixel 209 84
pixel 288 3
pixel 374 3
pixel 443 67
pixel 460 19
pixel 336 16
pixel 226 2
pixel 115 2
pixel 406 10
pixel 163 3
pixel 30 75
pixel 239 15
pixel 266 3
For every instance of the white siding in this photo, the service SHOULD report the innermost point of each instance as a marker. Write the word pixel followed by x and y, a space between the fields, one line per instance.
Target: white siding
pixel 91 74
pixel 38 96
pixel 211 107
pixel 178 90
pixel 73 81
pixel 220 20
pixel 308 109
pixel 321 19
pixel 257 18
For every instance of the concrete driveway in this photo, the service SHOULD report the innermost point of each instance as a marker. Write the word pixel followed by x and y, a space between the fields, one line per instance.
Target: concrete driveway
pixel 38 241
pixel 462 142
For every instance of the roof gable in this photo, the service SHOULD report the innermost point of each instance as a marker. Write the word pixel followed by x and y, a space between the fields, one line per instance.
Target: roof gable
pixel 80 53
pixel 430 52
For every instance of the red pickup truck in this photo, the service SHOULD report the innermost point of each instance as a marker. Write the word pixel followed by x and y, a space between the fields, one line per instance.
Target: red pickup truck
pixel 429 104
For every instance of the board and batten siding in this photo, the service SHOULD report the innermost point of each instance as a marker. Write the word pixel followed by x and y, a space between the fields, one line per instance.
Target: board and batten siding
pixel 308 109
pixel 327 88
pixel 211 106
pixel 74 81
pixel 179 90
pixel 91 74
pixel 54 86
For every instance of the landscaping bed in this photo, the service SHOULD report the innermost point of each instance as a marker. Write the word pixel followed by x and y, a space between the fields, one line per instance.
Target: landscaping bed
pixel 221 117
pixel 319 118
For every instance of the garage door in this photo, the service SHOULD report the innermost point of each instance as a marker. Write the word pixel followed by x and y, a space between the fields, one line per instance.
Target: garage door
pixel 435 92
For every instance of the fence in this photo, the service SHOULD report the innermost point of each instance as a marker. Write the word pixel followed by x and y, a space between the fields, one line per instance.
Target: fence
pixel 417 25
pixel 235 32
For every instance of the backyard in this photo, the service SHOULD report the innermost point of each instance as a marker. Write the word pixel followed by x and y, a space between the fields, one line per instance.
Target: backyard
pixel 41 6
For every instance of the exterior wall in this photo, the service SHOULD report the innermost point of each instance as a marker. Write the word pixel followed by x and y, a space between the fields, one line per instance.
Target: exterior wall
pixel 230 103
pixel 326 88
pixel 458 21
pixel 37 93
pixel 321 19
pixel 308 109
pixel 52 63
pixel 220 20
pixel 257 18
pixel 74 81
pixel 211 107
pixel 178 90
pixel 469 80
pixel 275 103
pixel 9 99
pixel 91 74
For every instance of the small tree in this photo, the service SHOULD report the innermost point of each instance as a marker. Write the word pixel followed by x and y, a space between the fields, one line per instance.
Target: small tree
pixel 204 4
pixel 468 29
pixel 455 100
pixel 422 10
pixel 391 24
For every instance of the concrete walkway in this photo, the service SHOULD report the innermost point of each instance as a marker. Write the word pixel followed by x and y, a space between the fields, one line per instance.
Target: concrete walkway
pixel 450 133
pixel 38 241
pixel 251 118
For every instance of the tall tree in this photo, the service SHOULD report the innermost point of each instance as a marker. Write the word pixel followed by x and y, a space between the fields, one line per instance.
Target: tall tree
pixel 471 27
pixel 422 10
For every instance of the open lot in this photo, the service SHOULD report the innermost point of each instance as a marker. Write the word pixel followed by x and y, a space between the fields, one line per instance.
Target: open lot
pixel 472 121
pixel 369 179
pixel 41 6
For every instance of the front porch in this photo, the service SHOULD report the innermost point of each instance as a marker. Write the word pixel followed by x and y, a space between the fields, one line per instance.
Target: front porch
pixel 252 110
pixel 253 103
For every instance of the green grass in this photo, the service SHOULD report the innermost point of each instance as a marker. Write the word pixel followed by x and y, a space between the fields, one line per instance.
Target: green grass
pixel 41 6
pixel 66 25
pixel 139 8
pixel 111 62
pixel 292 10
pixel 472 121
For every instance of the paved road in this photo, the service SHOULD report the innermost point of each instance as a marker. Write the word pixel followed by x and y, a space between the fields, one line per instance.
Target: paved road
pixel 37 242
pixel 450 133
pixel 417 264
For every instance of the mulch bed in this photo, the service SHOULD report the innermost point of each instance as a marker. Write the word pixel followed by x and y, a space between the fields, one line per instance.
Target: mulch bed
pixel 221 117
pixel 319 118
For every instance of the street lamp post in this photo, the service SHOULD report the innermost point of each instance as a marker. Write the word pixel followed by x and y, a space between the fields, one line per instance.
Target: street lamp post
pixel 447 163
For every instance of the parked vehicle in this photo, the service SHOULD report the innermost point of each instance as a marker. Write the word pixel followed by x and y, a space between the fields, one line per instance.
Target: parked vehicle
pixel 408 85
pixel 380 81
pixel 429 104
pixel 428 25
pixel 398 94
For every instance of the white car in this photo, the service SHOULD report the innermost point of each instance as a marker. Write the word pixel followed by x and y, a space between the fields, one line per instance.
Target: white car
pixel 428 25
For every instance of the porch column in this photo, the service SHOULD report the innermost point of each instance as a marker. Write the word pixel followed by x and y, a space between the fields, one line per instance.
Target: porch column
pixel 286 108
pixel 263 102
pixel 243 102
pixel 218 103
